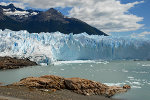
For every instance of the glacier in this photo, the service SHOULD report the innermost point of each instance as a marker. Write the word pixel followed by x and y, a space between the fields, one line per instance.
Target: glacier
pixel 45 48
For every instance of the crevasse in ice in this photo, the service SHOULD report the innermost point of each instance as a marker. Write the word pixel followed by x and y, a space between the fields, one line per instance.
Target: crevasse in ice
pixel 48 47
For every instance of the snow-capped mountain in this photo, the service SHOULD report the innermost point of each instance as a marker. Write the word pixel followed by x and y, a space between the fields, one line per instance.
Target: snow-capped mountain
pixel 17 13
pixel 42 21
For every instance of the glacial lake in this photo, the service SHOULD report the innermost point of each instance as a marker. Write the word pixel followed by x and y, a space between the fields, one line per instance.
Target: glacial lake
pixel 134 73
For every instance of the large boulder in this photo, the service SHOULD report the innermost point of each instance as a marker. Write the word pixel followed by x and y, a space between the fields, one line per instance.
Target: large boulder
pixel 77 85
pixel 43 82
pixel 127 87
pixel 88 87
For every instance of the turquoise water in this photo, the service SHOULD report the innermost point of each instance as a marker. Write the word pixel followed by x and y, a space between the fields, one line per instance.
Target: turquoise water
pixel 134 73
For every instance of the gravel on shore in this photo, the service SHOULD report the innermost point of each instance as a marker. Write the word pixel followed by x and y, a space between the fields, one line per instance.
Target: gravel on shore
pixel 24 93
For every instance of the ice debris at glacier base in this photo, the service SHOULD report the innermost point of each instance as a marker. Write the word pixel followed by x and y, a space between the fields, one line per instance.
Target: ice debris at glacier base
pixel 47 47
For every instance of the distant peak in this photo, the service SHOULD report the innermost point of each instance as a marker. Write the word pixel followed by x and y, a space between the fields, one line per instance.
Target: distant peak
pixel 11 5
pixel 52 11
pixel 50 14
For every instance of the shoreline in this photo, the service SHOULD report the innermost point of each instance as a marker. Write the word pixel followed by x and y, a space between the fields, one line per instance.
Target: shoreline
pixel 24 93
pixel 51 87
pixel 7 62
pixel 14 63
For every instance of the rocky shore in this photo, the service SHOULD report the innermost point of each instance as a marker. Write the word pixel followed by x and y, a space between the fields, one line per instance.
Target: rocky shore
pixel 51 83
pixel 24 93
pixel 13 63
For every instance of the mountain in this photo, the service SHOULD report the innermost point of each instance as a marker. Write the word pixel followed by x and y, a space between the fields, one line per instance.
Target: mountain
pixel 7 22
pixel 1 13
pixel 35 21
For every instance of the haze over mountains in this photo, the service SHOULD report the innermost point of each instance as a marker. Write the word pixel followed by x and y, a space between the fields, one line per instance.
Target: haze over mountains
pixel 42 21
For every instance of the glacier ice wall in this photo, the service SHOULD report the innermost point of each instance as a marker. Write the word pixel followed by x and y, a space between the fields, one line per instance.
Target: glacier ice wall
pixel 48 47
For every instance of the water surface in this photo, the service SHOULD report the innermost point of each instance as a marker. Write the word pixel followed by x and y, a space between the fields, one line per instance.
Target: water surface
pixel 134 73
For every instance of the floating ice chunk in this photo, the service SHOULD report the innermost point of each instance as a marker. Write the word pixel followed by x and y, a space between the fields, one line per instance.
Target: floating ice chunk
pixel 115 84
pixel 131 77
pixel 137 87
pixel 62 69
pixel 147 65
pixel 136 83
pixel 91 66
pixel 124 70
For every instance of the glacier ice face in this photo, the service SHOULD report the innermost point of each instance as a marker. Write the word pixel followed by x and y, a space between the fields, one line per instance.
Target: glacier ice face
pixel 47 47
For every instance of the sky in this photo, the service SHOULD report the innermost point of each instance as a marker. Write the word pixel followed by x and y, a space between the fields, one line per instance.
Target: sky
pixel 114 17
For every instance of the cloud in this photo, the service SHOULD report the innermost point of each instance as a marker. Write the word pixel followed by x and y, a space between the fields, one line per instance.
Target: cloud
pixel 142 35
pixel 106 15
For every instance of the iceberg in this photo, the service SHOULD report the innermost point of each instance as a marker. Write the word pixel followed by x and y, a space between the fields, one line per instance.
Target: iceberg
pixel 45 48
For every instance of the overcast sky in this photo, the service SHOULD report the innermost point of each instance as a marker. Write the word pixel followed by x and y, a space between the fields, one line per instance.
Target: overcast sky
pixel 122 17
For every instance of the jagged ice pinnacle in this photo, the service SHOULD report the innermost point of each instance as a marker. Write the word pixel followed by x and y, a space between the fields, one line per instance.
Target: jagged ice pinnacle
pixel 44 48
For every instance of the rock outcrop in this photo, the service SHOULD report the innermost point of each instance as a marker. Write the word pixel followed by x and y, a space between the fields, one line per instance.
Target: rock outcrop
pixel 127 87
pixel 77 85
pixel 1 13
pixel 12 63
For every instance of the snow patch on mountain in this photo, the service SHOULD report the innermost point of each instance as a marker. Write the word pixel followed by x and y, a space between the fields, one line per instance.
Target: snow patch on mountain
pixel 9 12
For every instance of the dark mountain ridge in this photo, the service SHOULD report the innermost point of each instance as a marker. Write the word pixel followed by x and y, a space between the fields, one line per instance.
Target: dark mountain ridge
pixel 42 21
pixel 1 13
